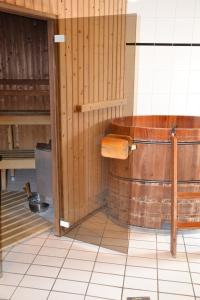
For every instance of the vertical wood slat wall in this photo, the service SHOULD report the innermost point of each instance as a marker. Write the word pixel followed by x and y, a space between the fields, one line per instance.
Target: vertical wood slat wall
pixel 91 70
pixel 94 72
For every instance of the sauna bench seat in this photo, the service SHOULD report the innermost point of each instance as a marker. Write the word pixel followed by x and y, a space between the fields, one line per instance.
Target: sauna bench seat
pixel 15 159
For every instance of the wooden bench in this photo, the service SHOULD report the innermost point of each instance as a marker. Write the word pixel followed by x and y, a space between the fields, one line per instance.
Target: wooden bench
pixel 15 159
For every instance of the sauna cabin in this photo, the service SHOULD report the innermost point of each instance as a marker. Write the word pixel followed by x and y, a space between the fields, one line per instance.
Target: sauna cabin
pixel 62 79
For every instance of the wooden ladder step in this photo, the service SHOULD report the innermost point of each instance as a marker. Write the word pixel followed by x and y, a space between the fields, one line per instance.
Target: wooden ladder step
pixel 188 195
pixel 188 225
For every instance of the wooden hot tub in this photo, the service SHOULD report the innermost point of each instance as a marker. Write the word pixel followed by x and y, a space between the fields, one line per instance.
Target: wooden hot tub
pixel 139 191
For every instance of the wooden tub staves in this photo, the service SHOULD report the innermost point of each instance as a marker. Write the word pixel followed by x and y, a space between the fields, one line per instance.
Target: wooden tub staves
pixel 139 191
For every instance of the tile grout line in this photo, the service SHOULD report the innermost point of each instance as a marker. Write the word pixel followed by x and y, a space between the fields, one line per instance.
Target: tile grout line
pixel 189 268
pixel 164 280
pixel 57 277
pixel 26 270
pixel 125 264
pixel 105 225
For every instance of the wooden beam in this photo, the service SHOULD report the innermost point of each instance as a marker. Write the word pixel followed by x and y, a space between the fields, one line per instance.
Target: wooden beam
pixel 22 163
pixel 100 105
pixel 188 225
pixel 24 81
pixel 174 207
pixel 24 93
pixel 188 195
pixel 25 112
pixel 27 12
pixel 25 120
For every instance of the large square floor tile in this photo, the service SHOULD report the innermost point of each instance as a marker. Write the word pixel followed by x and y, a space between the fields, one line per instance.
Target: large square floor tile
pixel 169 275
pixel 141 262
pixel 173 265
pixel 14 267
pixel 70 286
pixel 6 291
pixel 78 275
pixel 10 279
pixel 174 297
pixel 32 249
pixel 48 261
pixel 176 288
pixel 53 252
pixel 37 282
pixel 78 264
pixel 29 294
pixel 20 257
pixel 111 258
pixel 83 255
pixel 107 279
pixel 197 290
pixel 141 272
pixel 64 296
pixel 103 291
pixel 109 268
pixel 43 271
pixel 140 284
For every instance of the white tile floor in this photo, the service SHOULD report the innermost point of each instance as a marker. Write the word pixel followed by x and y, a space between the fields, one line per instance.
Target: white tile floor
pixel 101 260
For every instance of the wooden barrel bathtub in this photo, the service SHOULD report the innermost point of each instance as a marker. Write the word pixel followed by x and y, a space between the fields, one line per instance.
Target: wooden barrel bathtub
pixel 139 188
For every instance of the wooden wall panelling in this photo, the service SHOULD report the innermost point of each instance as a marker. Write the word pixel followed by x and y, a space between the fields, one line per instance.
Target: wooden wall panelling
pixel 101 87
pixel 38 5
pixel 107 111
pixel 70 112
pixel 81 132
pixel 75 94
pixel 29 4
pixel 91 173
pixel 97 124
pixel 21 3
pixel 86 126
pixel 64 90
pixel 3 137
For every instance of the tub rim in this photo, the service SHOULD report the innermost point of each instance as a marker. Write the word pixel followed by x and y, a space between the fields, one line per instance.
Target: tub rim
pixel 148 133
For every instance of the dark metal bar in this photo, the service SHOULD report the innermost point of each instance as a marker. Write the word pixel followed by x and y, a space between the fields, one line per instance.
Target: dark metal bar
pixel 165 44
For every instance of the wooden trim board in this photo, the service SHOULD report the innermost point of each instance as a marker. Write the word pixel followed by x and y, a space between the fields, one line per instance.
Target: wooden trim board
pixel 14 93
pixel 25 120
pixel 22 163
pixel 100 105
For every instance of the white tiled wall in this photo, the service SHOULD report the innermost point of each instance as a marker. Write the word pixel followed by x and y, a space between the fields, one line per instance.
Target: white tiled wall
pixel 167 78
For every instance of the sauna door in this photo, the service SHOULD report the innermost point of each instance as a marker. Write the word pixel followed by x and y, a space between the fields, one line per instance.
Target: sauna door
pixel 92 87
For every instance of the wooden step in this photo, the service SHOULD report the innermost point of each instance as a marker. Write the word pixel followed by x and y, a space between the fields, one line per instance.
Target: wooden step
pixel 188 195
pixel 188 225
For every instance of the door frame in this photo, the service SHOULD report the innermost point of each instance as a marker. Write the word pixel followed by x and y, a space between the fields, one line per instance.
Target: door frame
pixel 52 26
